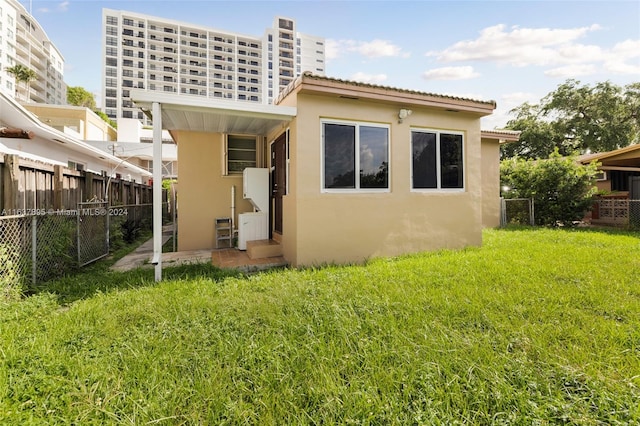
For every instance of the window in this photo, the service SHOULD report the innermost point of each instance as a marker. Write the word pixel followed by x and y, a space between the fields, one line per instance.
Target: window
pixel 241 153
pixel 437 160
pixel 348 147
pixel 74 165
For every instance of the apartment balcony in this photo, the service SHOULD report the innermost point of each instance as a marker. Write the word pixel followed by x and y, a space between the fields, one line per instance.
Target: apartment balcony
pixel 37 95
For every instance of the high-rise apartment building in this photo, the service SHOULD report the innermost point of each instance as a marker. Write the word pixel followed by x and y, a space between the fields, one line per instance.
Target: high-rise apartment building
pixel 24 42
pixel 153 53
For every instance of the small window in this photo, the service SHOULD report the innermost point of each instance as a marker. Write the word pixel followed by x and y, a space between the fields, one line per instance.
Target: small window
pixel 241 153
pixel 73 165
pixel 437 160
pixel 348 147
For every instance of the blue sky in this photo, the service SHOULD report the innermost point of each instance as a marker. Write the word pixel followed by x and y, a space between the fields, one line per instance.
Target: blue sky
pixel 508 51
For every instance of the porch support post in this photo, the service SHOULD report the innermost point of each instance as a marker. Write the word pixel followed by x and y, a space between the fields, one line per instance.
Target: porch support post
pixel 157 189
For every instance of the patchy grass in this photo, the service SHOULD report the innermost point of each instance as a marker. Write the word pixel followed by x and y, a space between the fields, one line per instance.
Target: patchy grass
pixel 536 327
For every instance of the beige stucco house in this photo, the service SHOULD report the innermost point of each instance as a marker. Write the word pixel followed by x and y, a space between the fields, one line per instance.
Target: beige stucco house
pixel 356 170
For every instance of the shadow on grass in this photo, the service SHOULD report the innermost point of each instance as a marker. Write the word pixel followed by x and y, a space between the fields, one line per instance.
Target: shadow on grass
pixel 99 279
pixel 96 278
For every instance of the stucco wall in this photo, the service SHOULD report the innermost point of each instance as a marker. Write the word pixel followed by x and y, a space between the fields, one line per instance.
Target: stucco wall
pixel 352 227
pixel 206 192
pixel 490 183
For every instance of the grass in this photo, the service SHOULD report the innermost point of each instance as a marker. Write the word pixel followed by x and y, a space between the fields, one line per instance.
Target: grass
pixel 536 327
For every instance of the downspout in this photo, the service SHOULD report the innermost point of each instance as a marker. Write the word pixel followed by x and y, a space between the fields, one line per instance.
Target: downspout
pixel 157 189
pixel 233 208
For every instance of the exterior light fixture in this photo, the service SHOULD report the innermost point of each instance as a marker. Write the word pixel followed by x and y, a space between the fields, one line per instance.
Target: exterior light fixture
pixel 404 113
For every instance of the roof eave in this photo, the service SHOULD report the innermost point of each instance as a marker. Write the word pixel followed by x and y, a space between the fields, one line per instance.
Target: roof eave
pixel 308 83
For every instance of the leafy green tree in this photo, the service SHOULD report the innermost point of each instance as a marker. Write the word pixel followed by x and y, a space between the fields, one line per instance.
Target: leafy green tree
pixel 577 118
pixel 562 189
pixel 106 118
pixel 79 96
pixel 23 75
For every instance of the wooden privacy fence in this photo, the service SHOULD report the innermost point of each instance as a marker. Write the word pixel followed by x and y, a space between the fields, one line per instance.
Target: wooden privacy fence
pixel 28 186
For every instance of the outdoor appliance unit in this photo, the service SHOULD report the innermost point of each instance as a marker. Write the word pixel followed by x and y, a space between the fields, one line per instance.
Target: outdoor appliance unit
pixel 254 226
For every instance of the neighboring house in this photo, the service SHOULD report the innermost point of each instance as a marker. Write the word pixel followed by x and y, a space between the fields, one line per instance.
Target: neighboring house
pixel 77 121
pixel 619 182
pixel 54 147
pixel 357 170
pixel 135 143
pixel 616 168
pixel 130 142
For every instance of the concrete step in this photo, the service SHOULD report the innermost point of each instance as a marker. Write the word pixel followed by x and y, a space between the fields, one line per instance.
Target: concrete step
pixel 260 249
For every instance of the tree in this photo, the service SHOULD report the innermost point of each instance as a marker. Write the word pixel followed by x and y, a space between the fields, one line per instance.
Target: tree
pixel 79 96
pixel 24 75
pixel 561 189
pixel 577 119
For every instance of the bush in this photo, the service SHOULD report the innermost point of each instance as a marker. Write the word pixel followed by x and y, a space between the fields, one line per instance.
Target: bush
pixel 10 280
pixel 561 188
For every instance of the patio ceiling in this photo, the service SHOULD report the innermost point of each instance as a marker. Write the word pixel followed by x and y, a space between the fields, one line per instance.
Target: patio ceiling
pixel 183 112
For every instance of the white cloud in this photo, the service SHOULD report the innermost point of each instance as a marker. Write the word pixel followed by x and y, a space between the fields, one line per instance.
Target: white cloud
pixel 522 46
pixel 622 52
pixel 332 49
pixel 369 78
pixel 554 48
pixel 506 103
pixel 61 7
pixel 627 48
pixel 369 49
pixel 450 73
pixel 517 98
pixel 617 67
pixel 571 71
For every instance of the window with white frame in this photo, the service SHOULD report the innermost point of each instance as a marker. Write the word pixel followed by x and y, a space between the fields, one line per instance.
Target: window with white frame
pixel 437 160
pixel 241 153
pixel 351 146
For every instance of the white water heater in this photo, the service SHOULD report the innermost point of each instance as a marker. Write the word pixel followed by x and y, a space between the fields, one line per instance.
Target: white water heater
pixel 255 189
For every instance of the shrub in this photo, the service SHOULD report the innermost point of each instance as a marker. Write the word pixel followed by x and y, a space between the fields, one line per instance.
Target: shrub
pixel 561 188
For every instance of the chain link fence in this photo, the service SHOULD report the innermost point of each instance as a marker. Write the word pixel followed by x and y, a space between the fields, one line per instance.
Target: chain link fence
pixel 36 247
pixel 93 232
pixel 41 245
pixel 517 211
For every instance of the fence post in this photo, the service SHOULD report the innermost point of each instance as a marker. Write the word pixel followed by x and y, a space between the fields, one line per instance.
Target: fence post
pixel 532 212
pixel 11 181
pixel 88 186
pixel 34 248
pixel 58 187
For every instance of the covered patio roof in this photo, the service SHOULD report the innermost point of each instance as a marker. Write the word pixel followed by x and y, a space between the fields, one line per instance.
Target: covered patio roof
pixel 190 113
pixel 180 112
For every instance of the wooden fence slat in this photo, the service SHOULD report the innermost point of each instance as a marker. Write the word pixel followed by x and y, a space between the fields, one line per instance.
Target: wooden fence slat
pixel 30 185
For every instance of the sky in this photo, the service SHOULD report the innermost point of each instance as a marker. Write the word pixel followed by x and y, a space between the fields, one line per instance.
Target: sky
pixel 507 51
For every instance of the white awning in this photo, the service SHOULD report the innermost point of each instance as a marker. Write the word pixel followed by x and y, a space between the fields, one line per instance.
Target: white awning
pixel 192 113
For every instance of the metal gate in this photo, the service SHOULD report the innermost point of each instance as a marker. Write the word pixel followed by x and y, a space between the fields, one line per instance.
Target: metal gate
pixel 93 232
pixel 517 211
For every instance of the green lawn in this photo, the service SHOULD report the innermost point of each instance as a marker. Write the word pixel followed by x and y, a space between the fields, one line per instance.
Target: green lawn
pixel 536 327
